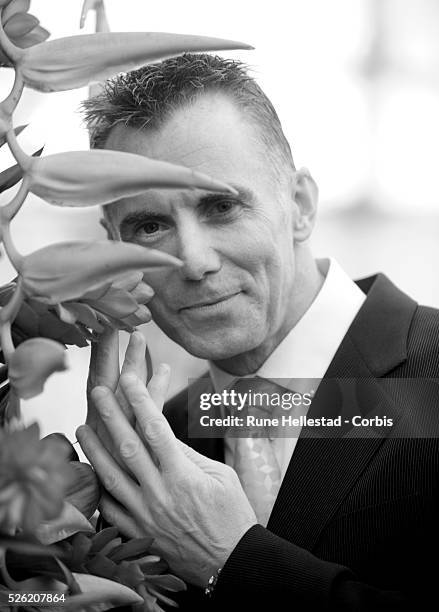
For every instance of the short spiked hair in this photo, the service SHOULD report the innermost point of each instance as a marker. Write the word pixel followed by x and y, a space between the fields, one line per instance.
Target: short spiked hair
pixel 146 97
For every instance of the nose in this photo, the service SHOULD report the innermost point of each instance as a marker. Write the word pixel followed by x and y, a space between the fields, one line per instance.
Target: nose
pixel 196 250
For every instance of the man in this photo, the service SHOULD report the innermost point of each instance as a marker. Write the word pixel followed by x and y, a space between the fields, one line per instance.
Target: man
pixel 351 518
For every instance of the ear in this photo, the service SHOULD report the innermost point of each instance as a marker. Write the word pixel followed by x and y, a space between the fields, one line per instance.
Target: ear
pixel 112 232
pixel 306 195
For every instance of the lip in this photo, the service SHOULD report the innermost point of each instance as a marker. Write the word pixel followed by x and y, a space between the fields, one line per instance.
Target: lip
pixel 209 302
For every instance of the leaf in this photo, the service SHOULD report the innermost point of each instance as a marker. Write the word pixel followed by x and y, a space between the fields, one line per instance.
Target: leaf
pixel 70 521
pixel 75 61
pixel 11 176
pixel 66 270
pixel 97 590
pixel 88 178
pixel 32 363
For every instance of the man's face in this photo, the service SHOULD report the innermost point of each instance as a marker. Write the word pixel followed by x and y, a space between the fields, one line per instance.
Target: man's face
pixel 233 292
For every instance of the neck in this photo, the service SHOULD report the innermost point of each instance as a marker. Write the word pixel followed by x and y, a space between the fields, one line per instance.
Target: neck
pixel 307 284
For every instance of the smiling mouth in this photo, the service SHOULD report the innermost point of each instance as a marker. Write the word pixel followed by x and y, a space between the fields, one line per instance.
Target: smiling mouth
pixel 208 303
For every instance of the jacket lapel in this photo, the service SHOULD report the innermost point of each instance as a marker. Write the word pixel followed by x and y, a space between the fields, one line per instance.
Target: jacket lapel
pixel 210 447
pixel 322 471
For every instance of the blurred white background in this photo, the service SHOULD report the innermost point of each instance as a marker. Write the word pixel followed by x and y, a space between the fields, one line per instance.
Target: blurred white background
pixel 356 86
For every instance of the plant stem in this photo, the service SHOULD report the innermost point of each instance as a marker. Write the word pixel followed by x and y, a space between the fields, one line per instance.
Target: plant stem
pixel 6 340
pixel 9 211
pixel 9 104
pixel 10 311
pixel 23 160
pixel 15 257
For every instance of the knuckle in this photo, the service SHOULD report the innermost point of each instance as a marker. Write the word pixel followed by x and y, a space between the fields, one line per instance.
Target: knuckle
pixel 129 448
pixel 154 430
pixel 110 482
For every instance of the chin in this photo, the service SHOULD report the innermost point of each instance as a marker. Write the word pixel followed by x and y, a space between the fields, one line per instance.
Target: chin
pixel 226 346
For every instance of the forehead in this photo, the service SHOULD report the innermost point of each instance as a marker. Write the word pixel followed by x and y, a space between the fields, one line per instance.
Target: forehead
pixel 210 134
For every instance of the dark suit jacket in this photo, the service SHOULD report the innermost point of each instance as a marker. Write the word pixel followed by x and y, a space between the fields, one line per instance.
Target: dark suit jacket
pixel 356 522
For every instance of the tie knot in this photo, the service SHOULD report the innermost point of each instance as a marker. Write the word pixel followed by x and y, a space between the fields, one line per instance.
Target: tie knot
pixel 255 400
pixel 258 394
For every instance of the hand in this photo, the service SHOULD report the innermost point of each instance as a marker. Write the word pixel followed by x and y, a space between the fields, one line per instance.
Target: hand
pixel 194 507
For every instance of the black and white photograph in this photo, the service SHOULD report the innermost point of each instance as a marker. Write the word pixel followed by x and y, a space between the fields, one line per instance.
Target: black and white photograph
pixel 219 305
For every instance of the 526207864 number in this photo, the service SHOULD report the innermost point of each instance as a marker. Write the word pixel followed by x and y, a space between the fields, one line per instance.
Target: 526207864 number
pixel 37 597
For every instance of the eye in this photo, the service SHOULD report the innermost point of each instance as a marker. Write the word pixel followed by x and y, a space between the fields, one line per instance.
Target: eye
pixel 222 207
pixel 152 227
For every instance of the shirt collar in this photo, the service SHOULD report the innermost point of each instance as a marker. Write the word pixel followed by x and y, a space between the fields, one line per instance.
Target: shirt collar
pixel 309 347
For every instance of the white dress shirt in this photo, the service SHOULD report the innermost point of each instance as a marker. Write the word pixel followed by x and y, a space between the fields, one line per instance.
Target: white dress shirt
pixel 308 349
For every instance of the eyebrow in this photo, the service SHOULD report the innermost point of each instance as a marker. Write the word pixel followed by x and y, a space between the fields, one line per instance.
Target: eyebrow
pixel 205 200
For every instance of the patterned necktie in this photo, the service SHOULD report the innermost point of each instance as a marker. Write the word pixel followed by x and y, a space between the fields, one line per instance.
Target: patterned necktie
pixel 254 458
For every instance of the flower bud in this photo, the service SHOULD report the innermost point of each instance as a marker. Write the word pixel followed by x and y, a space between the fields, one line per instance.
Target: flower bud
pixel 67 270
pixel 32 363
pixel 68 63
pixel 88 178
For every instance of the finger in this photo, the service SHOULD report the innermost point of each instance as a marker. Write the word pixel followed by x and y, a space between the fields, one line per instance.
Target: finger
pixel 134 361
pixel 113 478
pixel 115 514
pixel 103 370
pixel 104 361
pixel 153 425
pixel 125 439
pixel 159 384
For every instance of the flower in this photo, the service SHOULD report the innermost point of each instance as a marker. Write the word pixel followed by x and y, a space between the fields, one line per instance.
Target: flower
pixel 119 305
pixel 33 476
pixel 23 29
pixel 75 61
pixel 128 563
